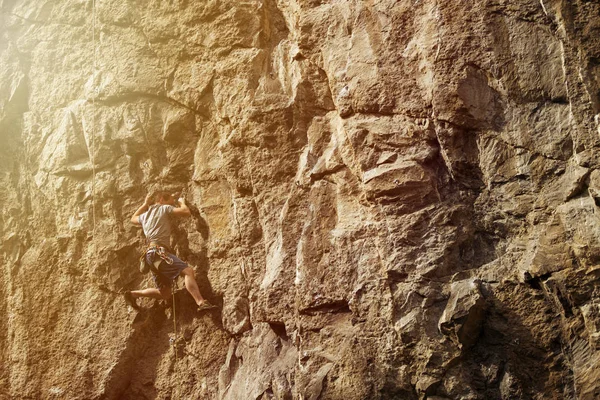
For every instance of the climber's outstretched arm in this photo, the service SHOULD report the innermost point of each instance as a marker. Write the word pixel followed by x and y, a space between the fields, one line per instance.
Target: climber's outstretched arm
pixel 182 209
pixel 136 216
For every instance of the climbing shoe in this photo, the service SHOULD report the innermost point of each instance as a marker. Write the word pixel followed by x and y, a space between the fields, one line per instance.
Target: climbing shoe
pixel 206 305
pixel 130 300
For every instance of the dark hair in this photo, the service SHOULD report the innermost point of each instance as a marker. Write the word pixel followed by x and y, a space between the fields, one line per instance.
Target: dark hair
pixel 162 195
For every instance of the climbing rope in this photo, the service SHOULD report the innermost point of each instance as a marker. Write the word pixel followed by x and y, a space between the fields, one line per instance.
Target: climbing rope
pixel 174 343
pixel 174 340
pixel 93 141
pixel 93 161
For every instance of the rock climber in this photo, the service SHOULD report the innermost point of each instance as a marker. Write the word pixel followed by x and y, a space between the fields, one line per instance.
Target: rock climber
pixel 156 224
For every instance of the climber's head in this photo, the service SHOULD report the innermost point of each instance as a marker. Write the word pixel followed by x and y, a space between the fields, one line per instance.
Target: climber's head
pixel 164 197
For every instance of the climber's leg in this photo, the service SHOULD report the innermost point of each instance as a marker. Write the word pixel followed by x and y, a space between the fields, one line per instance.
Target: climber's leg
pixel 191 285
pixel 150 292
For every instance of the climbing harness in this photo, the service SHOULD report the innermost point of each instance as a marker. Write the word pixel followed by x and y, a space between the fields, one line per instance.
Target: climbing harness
pixel 161 252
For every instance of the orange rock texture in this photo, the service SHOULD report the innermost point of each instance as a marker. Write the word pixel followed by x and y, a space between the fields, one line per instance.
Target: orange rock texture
pixel 391 199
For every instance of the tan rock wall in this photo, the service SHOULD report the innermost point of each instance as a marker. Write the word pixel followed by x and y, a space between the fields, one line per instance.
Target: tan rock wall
pixel 390 199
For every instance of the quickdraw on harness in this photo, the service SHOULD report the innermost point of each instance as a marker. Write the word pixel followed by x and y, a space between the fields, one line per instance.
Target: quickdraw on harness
pixel 159 251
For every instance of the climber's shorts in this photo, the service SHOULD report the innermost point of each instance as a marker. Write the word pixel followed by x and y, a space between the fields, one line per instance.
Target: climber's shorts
pixel 168 272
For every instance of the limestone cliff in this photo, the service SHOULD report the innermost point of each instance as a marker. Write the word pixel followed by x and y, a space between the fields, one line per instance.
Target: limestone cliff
pixel 391 199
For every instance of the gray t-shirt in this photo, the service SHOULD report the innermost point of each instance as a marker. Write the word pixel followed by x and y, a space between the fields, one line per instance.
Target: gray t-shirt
pixel 156 224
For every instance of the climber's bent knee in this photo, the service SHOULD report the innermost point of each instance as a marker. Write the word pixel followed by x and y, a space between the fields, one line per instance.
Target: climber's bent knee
pixel 189 271
pixel 165 292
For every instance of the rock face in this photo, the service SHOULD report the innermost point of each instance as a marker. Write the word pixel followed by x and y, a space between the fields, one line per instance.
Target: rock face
pixel 391 199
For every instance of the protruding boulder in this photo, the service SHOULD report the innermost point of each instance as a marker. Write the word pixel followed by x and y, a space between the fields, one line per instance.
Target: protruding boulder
pixel 464 314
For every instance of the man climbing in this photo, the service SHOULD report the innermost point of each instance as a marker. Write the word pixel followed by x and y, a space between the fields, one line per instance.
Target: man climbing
pixel 155 222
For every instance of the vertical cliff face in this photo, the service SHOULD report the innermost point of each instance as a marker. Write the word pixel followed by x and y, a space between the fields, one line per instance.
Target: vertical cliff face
pixel 390 199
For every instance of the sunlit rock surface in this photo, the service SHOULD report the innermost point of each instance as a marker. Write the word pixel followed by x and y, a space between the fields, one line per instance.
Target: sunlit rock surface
pixel 390 199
